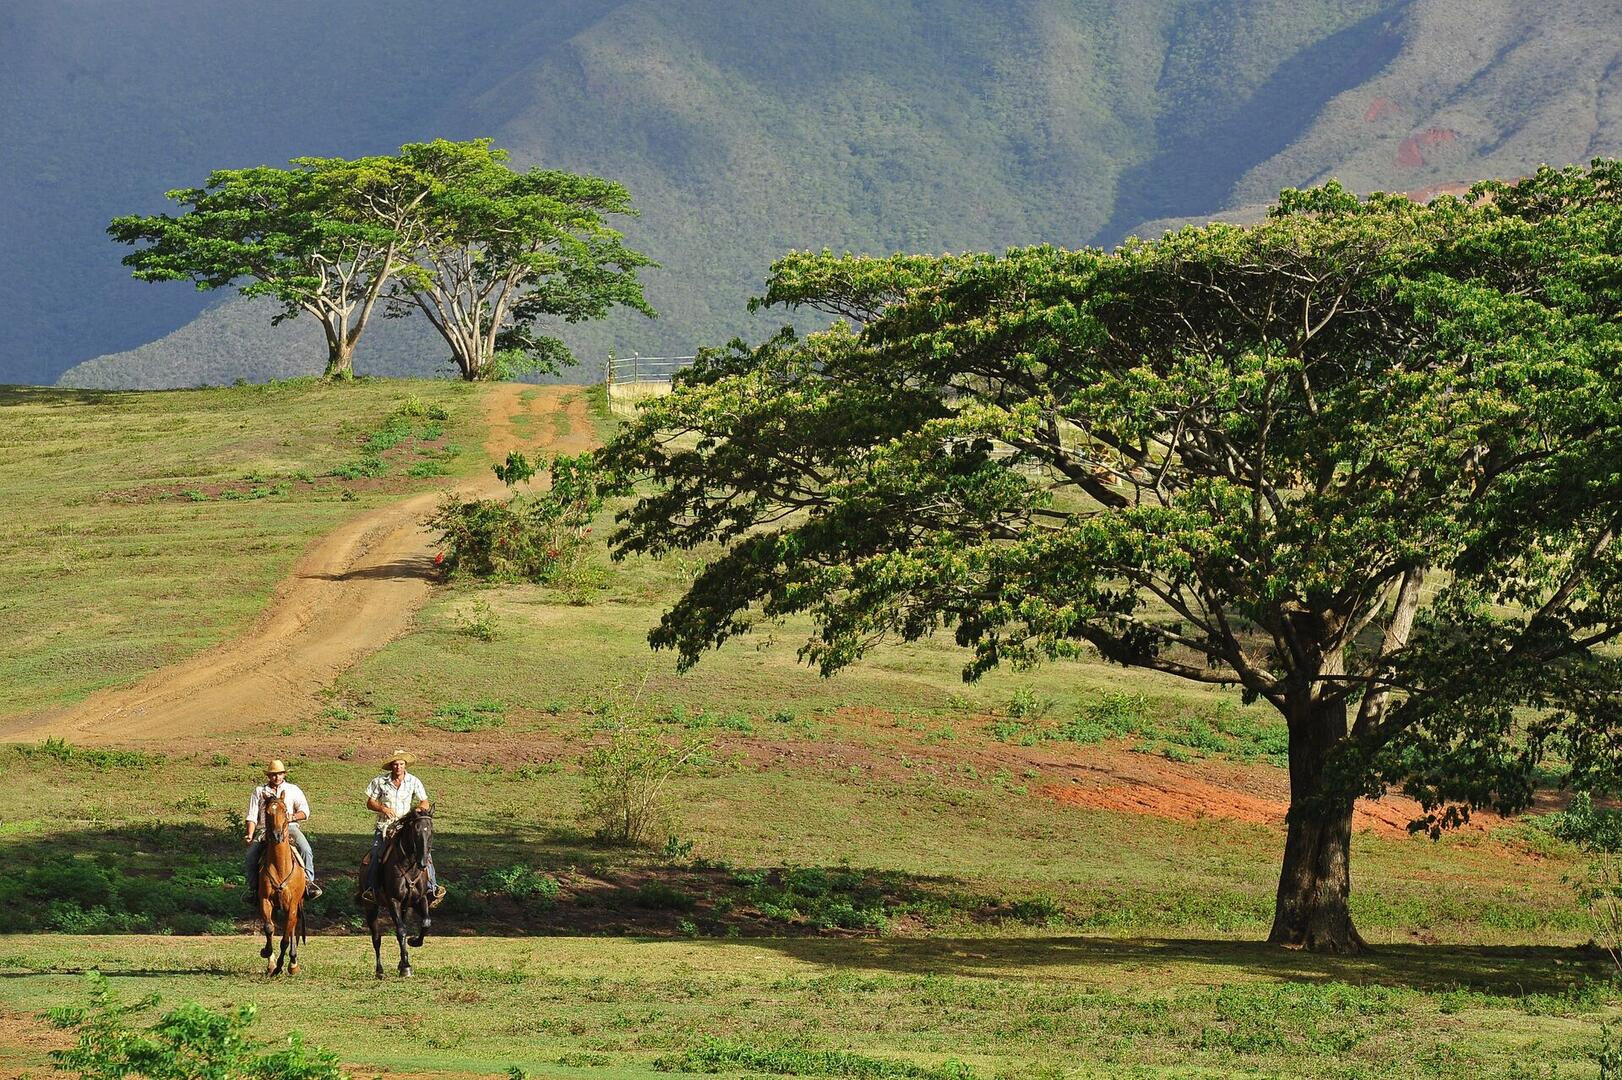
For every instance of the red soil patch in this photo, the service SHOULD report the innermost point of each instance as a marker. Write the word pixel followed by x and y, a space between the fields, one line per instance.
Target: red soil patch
pixel 1380 108
pixel 1411 153
pixel 1182 797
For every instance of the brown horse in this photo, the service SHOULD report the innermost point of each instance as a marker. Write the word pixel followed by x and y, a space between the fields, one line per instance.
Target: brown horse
pixel 402 885
pixel 281 889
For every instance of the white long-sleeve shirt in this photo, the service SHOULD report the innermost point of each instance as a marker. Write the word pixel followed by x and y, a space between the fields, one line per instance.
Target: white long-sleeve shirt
pixel 290 795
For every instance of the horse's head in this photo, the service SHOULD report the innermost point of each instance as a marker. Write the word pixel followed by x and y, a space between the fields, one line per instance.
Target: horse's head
pixel 276 818
pixel 417 828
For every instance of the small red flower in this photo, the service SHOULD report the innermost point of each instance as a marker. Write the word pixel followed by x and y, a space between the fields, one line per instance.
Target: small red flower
pixel 439 559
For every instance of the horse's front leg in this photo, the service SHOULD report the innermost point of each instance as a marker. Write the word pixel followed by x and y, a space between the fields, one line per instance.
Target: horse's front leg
pixel 290 938
pixel 372 919
pixel 266 914
pixel 397 913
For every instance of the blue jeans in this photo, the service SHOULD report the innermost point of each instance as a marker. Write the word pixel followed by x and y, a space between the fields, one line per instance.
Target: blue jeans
pixel 305 855
pixel 370 881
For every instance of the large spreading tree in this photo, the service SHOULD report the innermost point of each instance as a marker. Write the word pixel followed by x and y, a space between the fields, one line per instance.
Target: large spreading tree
pixel 487 254
pixel 1359 461
pixel 506 251
pixel 323 237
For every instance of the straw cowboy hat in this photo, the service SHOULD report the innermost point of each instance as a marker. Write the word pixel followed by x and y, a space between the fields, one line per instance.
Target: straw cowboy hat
pixel 398 755
pixel 275 766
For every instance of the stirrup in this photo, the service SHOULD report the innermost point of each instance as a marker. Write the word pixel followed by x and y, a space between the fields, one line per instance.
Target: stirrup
pixel 312 890
pixel 368 896
pixel 438 897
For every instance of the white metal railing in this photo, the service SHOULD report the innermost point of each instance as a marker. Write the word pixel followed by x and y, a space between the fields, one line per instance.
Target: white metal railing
pixel 645 369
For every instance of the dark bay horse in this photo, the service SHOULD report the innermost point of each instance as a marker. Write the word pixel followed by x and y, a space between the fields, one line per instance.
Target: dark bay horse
pixel 402 885
pixel 281 889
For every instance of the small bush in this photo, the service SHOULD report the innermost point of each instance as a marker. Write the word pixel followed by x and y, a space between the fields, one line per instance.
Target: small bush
pixel 369 467
pixel 529 887
pixel 713 1055
pixel 186 1042
pixel 64 753
pixel 539 538
pixel 627 798
pixel 465 718
pixel 1590 827
pixel 477 620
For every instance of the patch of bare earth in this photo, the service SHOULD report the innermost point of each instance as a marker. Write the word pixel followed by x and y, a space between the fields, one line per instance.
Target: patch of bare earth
pixel 352 592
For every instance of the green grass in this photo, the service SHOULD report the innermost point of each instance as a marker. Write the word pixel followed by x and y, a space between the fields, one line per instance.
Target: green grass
pixel 1030 1007
pixel 870 875
pixel 140 528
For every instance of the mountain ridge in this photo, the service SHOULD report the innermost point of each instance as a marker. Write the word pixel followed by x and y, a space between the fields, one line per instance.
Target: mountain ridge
pixel 744 131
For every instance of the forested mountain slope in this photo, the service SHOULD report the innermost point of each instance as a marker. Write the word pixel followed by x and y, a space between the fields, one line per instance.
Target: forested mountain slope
pixel 744 130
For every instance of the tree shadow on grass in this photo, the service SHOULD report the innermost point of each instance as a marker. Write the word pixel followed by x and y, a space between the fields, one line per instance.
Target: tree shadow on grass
pixel 59 396
pixel 1508 970
pixel 185 877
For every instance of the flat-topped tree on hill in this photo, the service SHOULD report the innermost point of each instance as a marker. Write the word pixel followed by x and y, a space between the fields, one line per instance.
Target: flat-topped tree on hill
pixel 1357 460
pixel 504 250
pixel 323 238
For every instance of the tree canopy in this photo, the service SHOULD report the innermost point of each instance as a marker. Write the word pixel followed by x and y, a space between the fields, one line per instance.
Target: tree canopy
pixel 485 253
pixel 506 250
pixel 323 237
pixel 1358 461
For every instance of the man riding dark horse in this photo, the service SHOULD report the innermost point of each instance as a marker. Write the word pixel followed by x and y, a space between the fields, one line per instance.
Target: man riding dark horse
pixel 398 875
pixel 298 809
pixel 391 796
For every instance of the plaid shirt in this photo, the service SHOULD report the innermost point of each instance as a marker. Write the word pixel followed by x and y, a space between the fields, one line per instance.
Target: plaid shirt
pixel 399 799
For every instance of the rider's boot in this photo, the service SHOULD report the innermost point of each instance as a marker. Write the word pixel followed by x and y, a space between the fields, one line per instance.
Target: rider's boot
pixel 311 889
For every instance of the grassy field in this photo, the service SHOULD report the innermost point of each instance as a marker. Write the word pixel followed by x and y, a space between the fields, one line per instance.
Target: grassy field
pixel 1057 873
pixel 1055 1006
pixel 140 528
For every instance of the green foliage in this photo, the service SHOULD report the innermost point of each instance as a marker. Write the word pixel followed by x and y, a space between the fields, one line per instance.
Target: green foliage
pixel 1591 827
pixel 464 718
pixel 57 749
pixel 477 619
pixel 714 1055
pixel 627 797
pixel 190 1042
pixel 540 538
pixel 529 887
pixel 501 250
pixel 1355 460
pixel 842 898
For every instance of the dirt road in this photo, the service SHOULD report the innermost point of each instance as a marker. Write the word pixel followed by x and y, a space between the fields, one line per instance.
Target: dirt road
pixel 352 592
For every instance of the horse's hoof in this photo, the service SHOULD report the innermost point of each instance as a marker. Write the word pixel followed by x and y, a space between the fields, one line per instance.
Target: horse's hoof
pixel 292 969
pixel 405 973
pixel 379 973
pixel 265 952
pixel 416 942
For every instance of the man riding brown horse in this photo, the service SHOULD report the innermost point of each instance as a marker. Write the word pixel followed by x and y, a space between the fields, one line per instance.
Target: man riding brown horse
pixel 280 888
pixel 277 788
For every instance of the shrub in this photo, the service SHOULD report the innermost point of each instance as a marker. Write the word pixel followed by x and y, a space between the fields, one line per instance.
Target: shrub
pixel 465 718
pixel 539 538
pixel 1591 827
pixel 528 886
pixel 627 798
pixel 477 620
pixel 186 1042
pixel 713 1055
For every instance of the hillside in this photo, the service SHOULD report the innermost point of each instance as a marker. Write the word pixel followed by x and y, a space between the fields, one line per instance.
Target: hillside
pixel 1061 871
pixel 743 131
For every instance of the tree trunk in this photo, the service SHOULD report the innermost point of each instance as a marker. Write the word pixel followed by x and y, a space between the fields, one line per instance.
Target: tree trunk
pixel 1315 883
pixel 340 361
